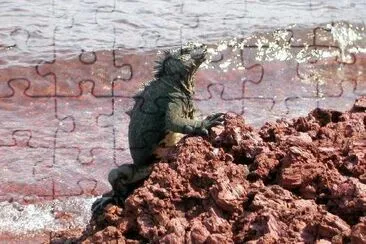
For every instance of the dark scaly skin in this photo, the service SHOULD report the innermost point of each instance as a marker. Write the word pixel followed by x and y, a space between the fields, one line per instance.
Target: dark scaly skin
pixel 165 104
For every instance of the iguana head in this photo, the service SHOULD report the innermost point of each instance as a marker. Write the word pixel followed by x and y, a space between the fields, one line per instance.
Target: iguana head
pixel 178 66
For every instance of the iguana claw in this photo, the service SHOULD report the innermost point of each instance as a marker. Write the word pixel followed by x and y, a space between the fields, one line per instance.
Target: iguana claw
pixel 215 116
pixel 210 121
pixel 215 119
pixel 99 205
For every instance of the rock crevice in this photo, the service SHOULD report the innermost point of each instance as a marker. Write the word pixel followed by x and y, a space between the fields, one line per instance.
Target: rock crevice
pixel 300 180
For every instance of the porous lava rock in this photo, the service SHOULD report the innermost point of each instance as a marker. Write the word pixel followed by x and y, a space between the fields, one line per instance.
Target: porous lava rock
pixel 300 180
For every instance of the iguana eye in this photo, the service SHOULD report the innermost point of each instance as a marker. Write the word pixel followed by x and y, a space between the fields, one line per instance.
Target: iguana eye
pixel 184 51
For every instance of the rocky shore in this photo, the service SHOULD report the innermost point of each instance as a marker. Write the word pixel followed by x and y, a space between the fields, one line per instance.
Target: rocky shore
pixel 300 180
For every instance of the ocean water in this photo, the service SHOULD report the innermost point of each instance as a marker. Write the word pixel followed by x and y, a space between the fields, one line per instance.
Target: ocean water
pixel 33 31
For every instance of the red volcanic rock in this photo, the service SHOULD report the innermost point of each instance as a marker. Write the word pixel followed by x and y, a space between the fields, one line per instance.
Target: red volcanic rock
pixel 275 215
pixel 358 234
pixel 290 181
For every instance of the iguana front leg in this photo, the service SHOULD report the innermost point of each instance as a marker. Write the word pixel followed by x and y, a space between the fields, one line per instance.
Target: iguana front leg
pixel 175 121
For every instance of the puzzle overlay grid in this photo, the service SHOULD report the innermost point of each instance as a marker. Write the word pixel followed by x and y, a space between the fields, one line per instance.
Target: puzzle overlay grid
pixel 64 122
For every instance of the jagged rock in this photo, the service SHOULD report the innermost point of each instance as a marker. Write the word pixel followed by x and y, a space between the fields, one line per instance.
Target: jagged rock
pixel 291 181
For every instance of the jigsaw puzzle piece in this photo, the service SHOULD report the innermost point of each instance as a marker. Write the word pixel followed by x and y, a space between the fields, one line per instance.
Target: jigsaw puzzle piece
pixel 349 39
pixel 72 20
pixel 300 37
pixel 279 45
pixel 228 73
pixel 121 60
pixel 233 22
pixel 322 37
pixel 343 37
pixel 72 37
pixel 73 178
pixel 329 74
pixel 134 70
pixel 257 111
pixel 324 73
pixel 91 66
pixel 216 103
pixel 81 11
pixel 318 76
pixel 7 43
pixel 196 21
pixel 335 88
pixel 13 41
pixel 37 86
pixel 26 43
pixel 65 12
pixel 301 106
pixel 121 121
pixel 210 73
pixel 289 90
pixel 86 133
pixel 121 17
pixel 26 170
pixel 191 28
pixel 278 84
pixel 22 112
pixel 266 40
pixel 204 79
pixel 341 102
pixel 150 40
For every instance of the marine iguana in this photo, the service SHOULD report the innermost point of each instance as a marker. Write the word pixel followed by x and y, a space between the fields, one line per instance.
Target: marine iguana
pixel 163 108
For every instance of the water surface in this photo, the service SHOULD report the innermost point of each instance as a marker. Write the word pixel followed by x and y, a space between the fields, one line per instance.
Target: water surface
pixel 30 31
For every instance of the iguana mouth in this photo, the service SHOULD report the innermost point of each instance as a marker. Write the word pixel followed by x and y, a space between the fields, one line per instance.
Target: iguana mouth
pixel 200 57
